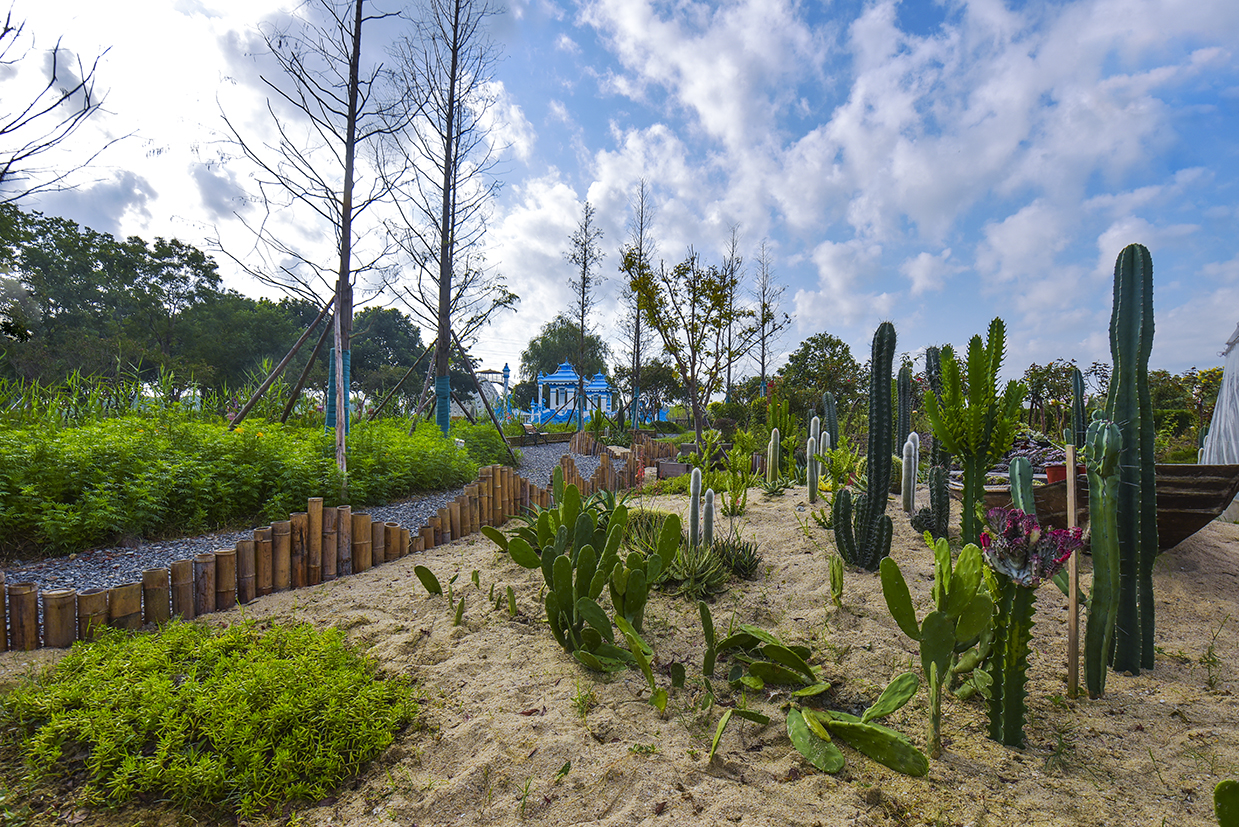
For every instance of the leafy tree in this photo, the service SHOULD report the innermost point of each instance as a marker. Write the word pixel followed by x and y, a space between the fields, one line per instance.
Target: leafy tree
pixel 560 341
pixel 256 330
pixel 1049 394
pixel 660 385
pixel 386 342
pixel 822 362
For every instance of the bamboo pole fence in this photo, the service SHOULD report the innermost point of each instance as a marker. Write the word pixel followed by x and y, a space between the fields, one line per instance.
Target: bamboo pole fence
pixel 311 547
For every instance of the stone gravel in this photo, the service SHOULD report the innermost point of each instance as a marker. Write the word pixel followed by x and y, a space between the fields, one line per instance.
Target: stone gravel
pixel 115 566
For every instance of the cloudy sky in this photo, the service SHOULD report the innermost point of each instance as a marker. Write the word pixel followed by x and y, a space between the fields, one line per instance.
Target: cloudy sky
pixel 932 164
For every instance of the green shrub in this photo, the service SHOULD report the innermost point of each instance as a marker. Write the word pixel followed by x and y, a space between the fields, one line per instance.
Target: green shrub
pixel 244 719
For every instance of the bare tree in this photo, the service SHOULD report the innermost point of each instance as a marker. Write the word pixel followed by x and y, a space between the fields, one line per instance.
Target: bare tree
pixel 635 258
pixel 45 121
pixel 451 63
pixel 336 110
pixel 733 276
pixel 585 254
pixel 770 322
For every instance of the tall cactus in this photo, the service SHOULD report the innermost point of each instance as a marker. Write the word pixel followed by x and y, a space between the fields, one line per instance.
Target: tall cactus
pixel 871 540
pixel 1020 475
pixel 933 376
pixel 707 532
pixel 911 459
pixel 830 419
pixel 694 508
pixel 1101 456
pixel 1129 406
pixel 903 385
pixel 937 515
pixel 811 474
pixel 976 425
pixel 1078 424
pixel 773 457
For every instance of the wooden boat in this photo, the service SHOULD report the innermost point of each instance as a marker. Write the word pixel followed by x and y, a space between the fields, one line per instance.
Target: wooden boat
pixel 1189 497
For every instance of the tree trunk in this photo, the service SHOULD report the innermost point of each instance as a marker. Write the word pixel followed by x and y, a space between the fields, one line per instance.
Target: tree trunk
pixel 446 239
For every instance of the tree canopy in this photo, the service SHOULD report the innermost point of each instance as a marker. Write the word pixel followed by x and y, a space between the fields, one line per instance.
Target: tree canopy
pixel 822 363
pixel 557 342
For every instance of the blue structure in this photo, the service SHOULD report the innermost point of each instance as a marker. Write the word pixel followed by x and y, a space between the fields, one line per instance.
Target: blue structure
pixel 557 402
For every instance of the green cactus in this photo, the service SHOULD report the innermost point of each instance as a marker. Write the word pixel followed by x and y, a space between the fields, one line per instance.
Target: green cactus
pixel 694 508
pixel 708 518
pixel 1129 406
pixel 1079 425
pixel 1008 663
pixel 1020 476
pixel 811 475
pixel 707 628
pixel 845 537
pixel 976 424
pixel 806 727
pixel 632 577
pixel 933 375
pixel 772 457
pixel 873 527
pixel 936 517
pixel 1226 803
pixel 963 611
pixel 903 387
pixel 836 579
pixel 1101 457
pixel 911 460
pixel 830 420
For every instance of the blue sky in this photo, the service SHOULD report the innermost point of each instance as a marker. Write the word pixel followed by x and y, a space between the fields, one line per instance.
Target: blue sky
pixel 931 164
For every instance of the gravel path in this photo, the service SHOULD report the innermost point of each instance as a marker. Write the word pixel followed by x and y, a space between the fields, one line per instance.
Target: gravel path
pixel 107 567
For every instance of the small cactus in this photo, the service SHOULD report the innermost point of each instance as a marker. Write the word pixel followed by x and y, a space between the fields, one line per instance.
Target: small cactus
pixel 911 459
pixel 708 518
pixel 773 457
pixel 1020 476
pixel 811 474
pixel 694 508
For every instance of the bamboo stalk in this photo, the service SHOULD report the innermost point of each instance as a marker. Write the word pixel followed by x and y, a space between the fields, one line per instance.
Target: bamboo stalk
pixel 300 528
pixel 484 493
pixel 281 555
pixel 428 538
pixel 183 589
pixel 471 491
pixel 445 534
pixel 246 585
pixel 327 569
pixel 23 616
pixel 225 579
pixel 314 542
pixel 59 618
pixel 361 542
pixel 391 541
pixel 404 542
pixel 418 543
pixel 125 606
pixel 4 620
pixel 156 596
pixel 436 525
pixel 204 584
pixel 344 540
pixel 453 516
pixel 92 613
pixel 263 575
pixel 378 543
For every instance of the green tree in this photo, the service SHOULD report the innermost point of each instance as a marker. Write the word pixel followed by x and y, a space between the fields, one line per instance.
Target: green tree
pixel 1049 394
pixel 386 342
pixel 559 341
pixel 822 362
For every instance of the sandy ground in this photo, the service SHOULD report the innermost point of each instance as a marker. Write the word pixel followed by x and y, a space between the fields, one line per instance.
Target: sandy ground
pixel 502 740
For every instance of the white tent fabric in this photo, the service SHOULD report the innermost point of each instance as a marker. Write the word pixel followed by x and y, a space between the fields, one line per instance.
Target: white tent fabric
pixel 1222 441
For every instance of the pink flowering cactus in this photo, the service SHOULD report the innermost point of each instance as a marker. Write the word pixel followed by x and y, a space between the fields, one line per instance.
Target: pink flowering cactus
pixel 1015 545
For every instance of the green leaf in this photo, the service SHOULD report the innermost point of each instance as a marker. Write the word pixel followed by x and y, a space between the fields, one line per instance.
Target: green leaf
pixel 523 554
pixel 822 754
pixel 589 611
pixel 428 579
pixel 975 619
pixel 786 657
pixel 815 724
pixel 658 700
pixel 755 717
pixel 898 598
pixel 775 673
pixel 496 536
pixel 897 693
pixel 811 691
pixel 760 633
pixel 718 734
pixel 937 643
pixel 677 675
pixel 562 573
pixel 964 581
pixel 886 746
pixel 597 664
pixel 740 640
pixel 753 682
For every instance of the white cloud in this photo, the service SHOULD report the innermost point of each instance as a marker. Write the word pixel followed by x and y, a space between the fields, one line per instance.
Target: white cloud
pixel 928 272
pixel 843 269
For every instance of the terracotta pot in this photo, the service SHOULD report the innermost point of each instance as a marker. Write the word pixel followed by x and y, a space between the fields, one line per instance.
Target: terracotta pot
pixel 1058 473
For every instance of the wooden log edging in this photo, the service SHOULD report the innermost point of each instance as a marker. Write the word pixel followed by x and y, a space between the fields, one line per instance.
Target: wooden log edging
pixel 310 548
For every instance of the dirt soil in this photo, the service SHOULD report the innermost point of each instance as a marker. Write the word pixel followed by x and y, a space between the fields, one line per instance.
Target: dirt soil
pixel 502 740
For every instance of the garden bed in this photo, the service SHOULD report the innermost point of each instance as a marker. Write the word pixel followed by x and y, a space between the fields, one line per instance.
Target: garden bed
pixel 505 741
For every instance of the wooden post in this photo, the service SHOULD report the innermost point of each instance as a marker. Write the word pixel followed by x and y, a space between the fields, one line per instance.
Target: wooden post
pixel 416 544
pixel 59 618
pixel 453 517
pixel 314 542
pixel 378 543
pixel 331 541
pixel 496 495
pixel 23 617
pixel 246 586
pixel 4 620
pixel 125 606
pixel 484 492
pixel 225 579
pixel 405 546
pixel 156 596
pixel 281 555
pixel 263 575
pixel 428 538
pixel 471 491
pixel 182 589
pixel 204 584
pixel 344 540
pixel 92 613
pixel 1073 584
pixel 444 529
pixel 361 553
pixel 391 541
pixel 300 529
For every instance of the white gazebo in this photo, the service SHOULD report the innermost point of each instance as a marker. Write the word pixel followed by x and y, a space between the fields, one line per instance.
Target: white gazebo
pixel 1222 441
pixel 556 400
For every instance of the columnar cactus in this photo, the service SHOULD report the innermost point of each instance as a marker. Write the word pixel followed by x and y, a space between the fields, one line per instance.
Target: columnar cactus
pixel 869 540
pixel 911 459
pixel 904 391
pixel 933 376
pixel 1020 475
pixel 1078 424
pixel 708 519
pixel 694 508
pixel 1101 457
pixel 1129 406
pixel 815 429
pixel 830 419
pixel 773 457
pixel 811 474
pixel 935 517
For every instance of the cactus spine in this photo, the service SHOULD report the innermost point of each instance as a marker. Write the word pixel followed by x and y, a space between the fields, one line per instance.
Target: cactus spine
pixel 911 459
pixel 1101 457
pixel 694 508
pixel 708 519
pixel 772 456
pixel 1129 406
pixel 904 390
pixel 1020 475
pixel 812 471
pixel 872 530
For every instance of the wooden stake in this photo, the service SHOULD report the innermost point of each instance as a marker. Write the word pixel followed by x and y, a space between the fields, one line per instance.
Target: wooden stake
pixel 378 543
pixel 471 491
pixel 4 620
pixel 125 606
pixel 300 529
pixel 485 488
pixel 417 544
pixel 92 613
pixel 23 617
pixel 59 618
pixel 245 409
pixel 405 547
pixel 344 540
pixel 204 584
pixel 453 516
pixel 246 587
pixel 331 520
pixel 281 555
pixel 182 589
pixel 314 542
pixel 225 579
pixel 156 596
pixel 1073 584
pixel 263 576
pixel 444 529
pixel 428 538
pixel 362 532
pixel 391 541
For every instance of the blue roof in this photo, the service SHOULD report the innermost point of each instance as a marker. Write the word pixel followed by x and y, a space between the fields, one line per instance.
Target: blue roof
pixel 565 374
pixel 598 384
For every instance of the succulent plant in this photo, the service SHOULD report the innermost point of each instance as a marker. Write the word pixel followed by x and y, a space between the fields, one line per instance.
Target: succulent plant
pixel 911 461
pixel 937 515
pixel 739 555
pixel 1101 457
